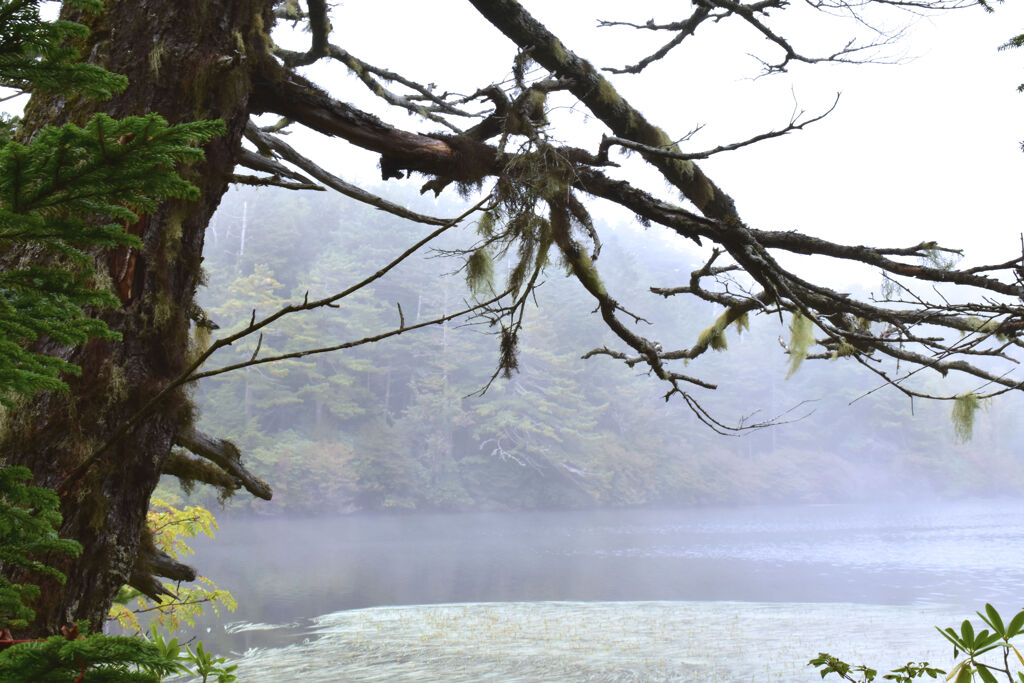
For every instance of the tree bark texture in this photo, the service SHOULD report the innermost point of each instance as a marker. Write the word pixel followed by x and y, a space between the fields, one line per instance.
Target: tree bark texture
pixel 186 60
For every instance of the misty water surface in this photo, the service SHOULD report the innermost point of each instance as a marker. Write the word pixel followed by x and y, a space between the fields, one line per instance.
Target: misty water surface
pixel 926 563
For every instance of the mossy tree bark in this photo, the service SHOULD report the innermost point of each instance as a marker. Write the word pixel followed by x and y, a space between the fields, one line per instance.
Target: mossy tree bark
pixel 186 60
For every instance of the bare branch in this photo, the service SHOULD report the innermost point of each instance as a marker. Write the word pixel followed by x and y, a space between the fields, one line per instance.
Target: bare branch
pixel 794 124
pixel 684 30
pixel 290 155
pixel 272 181
pixel 401 329
pixel 366 72
pixel 265 164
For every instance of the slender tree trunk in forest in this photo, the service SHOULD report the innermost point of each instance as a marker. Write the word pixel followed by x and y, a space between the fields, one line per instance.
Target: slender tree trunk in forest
pixel 241 240
pixel 186 60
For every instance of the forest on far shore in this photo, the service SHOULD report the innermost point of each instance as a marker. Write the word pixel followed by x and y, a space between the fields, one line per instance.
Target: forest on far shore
pixel 401 425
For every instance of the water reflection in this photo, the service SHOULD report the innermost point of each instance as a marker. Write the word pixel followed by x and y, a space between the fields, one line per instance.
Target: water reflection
pixel 291 570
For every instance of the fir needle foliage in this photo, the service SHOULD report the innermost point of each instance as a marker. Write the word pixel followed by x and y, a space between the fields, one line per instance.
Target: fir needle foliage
pixel 38 56
pixel 68 190
pixel 94 659
pixel 29 516
pixel 29 519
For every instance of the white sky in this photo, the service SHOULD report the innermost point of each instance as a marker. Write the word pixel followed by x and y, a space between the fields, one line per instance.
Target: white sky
pixel 925 149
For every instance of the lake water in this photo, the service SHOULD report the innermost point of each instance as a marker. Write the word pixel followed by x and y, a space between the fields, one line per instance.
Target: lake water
pixel 710 594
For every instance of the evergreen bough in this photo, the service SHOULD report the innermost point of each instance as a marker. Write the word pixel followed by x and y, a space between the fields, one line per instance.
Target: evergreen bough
pixel 70 189
pixel 29 517
pixel 94 659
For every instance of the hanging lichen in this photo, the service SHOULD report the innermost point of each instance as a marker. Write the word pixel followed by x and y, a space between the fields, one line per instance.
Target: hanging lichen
pixel 480 271
pixel 936 258
pixel 889 288
pixel 743 324
pixel 843 350
pixel 801 339
pixel 485 226
pixel 965 406
pixel 509 361
pixel 714 336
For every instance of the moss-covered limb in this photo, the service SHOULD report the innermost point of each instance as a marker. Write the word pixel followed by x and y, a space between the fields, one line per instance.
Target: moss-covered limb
pixel 846 324
pixel 646 206
pixel 225 455
pixel 190 469
pixel 319 25
pixel 713 336
pixel 798 243
pixel 586 273
pixel 166 566
pixel 593 181
pixel 598 94
pixel 149 585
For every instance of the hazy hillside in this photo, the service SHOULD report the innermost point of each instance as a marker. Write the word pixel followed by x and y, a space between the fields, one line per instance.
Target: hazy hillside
pixel 401 425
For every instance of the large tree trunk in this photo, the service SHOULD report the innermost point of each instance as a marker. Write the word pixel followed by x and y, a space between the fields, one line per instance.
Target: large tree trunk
pixel 186 60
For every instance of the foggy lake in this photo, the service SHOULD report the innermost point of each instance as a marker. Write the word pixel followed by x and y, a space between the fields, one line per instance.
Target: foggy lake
pixel 746 593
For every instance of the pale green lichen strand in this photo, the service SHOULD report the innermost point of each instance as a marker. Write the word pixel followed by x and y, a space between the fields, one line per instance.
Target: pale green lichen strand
pixel 965 407
pixel 801 339
pixel 480 271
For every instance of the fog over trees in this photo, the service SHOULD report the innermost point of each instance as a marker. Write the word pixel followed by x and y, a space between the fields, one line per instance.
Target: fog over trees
pixel 521 205
pixel 401 426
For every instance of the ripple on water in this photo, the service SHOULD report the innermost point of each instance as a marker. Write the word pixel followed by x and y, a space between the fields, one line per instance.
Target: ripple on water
pixel 600 641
